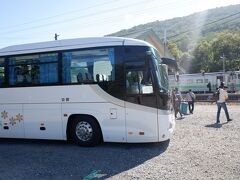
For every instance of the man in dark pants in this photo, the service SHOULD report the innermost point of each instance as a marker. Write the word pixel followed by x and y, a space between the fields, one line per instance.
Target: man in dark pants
pixel 221 103
pixel 190 98
pixel 209 87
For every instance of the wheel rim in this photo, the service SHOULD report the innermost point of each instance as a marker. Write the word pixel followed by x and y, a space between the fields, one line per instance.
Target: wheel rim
pixel 84 131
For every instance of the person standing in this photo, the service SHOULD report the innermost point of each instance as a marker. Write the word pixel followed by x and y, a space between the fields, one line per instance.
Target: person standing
pixel 177 98
pixel 221 103
pixel 190 98
pixel 209 86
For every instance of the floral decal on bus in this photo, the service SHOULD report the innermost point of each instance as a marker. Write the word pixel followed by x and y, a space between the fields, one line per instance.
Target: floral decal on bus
pixel 4 114
pixel 12 120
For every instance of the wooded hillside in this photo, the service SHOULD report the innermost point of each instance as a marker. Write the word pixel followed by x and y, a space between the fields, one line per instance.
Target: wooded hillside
pixel 199 40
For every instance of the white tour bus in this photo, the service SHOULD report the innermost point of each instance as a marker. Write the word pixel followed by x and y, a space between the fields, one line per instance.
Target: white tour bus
pixel 85 90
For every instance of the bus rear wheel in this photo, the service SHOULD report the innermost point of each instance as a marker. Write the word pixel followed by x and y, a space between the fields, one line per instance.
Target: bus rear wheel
pixel 85 131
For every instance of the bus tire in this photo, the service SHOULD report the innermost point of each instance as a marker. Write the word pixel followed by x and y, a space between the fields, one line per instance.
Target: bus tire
pixel 85 131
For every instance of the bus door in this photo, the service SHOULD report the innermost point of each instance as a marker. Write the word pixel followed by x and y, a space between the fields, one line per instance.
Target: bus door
pixel 11 121
pixel 141 103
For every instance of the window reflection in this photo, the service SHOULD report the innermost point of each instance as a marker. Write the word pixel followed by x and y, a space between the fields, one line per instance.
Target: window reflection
pixel 33 69
pixel 138 83
pixel 2 70
pixel 88 66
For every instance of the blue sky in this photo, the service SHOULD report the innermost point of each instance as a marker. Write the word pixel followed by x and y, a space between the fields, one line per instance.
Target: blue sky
pixel 29 21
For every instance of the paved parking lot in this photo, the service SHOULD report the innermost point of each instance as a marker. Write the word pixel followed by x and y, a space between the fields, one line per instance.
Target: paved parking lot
pixel 197 150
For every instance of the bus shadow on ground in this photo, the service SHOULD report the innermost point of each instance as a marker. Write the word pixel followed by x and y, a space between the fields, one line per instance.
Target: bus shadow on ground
pixel 62 160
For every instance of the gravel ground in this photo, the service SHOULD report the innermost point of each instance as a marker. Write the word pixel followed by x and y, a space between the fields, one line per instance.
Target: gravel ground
pixel 198 150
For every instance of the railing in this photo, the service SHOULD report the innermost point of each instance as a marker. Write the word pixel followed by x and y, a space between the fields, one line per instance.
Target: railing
pixel 209 97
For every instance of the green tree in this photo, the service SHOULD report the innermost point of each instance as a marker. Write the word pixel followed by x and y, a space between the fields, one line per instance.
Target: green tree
pixel 184 43
pixel 227 43
pixel 208 52
pixel 174 50
pixel 185 61
pixel 202 57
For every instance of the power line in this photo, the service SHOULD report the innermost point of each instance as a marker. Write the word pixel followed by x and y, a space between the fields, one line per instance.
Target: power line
pixel 146 29
pixel 140 12
pixel 136 13
pixel 203 25
pixel 216 21
pixel 76 18
pixel 85 16
pixel 107 11
pixel 57 15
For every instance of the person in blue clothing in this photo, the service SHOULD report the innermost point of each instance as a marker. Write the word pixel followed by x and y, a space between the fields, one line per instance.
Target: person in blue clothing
pixel 221 103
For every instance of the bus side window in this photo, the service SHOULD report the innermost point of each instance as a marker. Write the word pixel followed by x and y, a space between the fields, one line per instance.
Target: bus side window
pixel 2 71
pixel 2 77
pixel 31 70
pixel 89 63
pixel 79 77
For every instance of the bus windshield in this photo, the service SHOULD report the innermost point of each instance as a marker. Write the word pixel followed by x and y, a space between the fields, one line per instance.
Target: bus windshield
pixel 161 73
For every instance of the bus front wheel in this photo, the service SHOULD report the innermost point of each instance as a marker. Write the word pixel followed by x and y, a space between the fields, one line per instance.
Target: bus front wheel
pixel 85 131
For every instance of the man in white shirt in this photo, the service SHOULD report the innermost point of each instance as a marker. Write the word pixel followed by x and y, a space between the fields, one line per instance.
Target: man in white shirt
pixel 221 103
pixel 190 98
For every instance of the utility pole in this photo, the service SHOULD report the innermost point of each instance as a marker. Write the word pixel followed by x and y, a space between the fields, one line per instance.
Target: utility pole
pixel 203 74
pixel 165 42
pixel 56 36
pixel 223 59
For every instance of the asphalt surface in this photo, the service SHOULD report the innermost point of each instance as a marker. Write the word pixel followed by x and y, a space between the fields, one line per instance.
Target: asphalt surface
pixel 35 159
pixel 198 150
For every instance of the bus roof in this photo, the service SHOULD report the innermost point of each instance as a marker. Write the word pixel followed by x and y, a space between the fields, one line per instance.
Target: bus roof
pixel 69 44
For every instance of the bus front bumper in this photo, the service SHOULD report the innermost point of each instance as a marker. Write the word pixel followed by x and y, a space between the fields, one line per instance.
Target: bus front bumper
pixel 166 126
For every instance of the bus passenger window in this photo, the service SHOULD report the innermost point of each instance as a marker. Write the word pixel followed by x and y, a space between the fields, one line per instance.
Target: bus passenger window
pixel 88 66
pixel 199 81
pixel 31 70
pixel 2 76
pixel 18 75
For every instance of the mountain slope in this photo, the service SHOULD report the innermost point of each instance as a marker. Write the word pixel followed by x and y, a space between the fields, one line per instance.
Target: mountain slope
pixel 194 26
